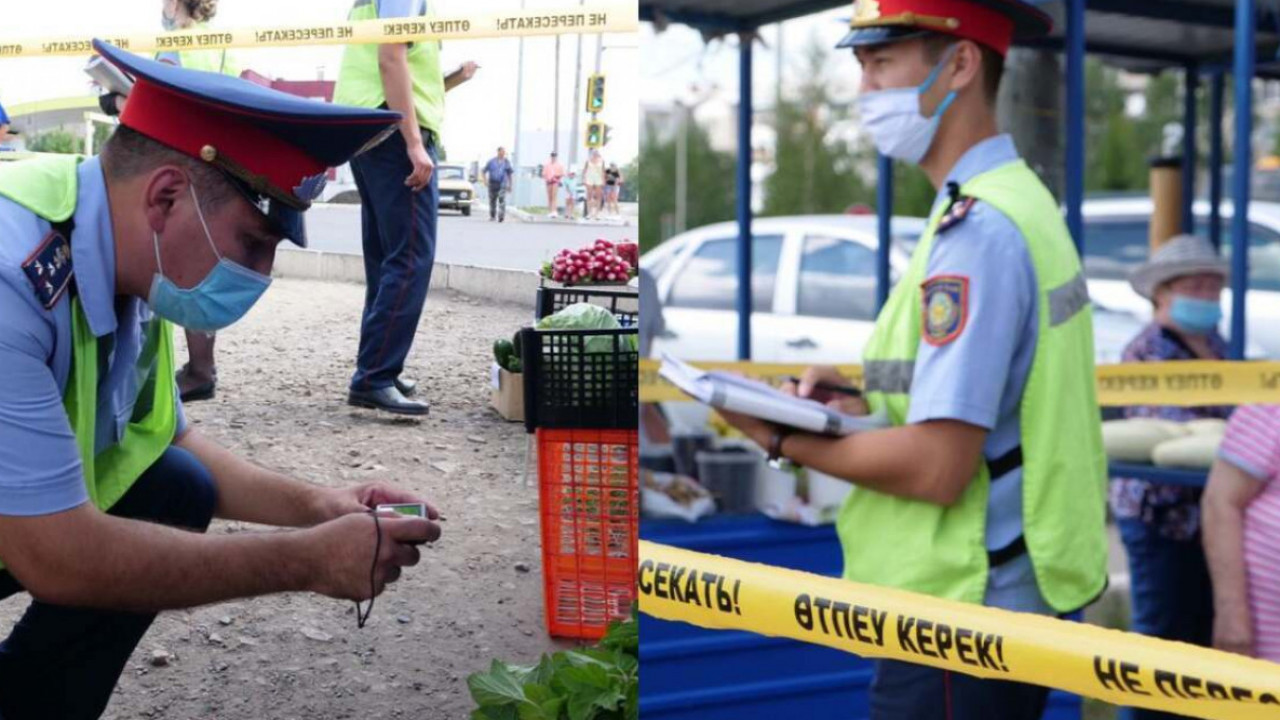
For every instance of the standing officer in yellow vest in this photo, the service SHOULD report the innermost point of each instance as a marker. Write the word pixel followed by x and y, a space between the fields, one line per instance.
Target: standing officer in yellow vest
pixel 399 198
pixel 990 486
pixel 104 487
pixel 198 379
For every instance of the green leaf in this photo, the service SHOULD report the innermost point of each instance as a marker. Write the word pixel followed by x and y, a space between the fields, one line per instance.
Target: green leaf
pixel 499 686
pixel 590 687
pixel 591 656
pixel 495 712
pixel 632 705
pixel 542 703
pixel 624 636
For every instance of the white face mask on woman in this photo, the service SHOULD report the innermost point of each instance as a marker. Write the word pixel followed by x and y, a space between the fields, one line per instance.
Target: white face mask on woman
pixel 893 119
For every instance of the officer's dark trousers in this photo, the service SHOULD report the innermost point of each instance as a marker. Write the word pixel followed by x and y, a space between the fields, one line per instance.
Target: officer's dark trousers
pixel 62 662
pixel 903 691
pixel 399 252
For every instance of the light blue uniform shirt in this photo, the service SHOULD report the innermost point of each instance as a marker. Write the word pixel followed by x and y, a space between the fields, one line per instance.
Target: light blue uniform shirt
pixel 979 377
pixel 40 469
pixel 391 9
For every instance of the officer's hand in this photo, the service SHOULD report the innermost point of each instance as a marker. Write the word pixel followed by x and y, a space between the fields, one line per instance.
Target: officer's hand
pixel 756 429
pixel 468 70
pixel 422 168
pixel 342 552
pixel 336 502
pixel 826 374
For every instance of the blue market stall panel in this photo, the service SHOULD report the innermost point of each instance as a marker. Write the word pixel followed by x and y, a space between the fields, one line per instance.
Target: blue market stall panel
pixel 689 673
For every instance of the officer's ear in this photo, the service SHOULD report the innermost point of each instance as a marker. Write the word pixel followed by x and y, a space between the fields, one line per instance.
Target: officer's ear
pixel 966 63
pixel 161 192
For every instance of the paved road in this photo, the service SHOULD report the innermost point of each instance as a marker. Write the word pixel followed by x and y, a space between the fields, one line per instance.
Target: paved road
pixel 466 240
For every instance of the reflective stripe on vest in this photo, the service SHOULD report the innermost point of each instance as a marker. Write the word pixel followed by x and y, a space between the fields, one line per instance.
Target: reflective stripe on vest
pixel 941 551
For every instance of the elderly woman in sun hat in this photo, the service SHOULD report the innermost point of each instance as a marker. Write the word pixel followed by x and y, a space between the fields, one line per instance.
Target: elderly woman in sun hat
pixel 1159 523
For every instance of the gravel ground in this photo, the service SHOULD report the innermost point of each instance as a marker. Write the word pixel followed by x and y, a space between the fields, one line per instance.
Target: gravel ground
pixel 477 594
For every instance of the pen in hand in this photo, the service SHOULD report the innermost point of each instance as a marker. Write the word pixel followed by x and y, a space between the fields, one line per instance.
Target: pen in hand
pixel 848 390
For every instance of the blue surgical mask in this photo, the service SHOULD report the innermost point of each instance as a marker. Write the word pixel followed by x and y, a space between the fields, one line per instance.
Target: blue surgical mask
pixel 893 119
pixel 222 298
pixel 1196 316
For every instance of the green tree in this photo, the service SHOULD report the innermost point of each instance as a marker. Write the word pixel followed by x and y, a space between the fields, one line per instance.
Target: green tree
pixel 630 190
pixel 813 173
pixel 711 184
pixel 55 141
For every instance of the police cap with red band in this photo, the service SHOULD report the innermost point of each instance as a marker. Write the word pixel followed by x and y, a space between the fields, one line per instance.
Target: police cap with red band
pixel 992 23
pixel 275 148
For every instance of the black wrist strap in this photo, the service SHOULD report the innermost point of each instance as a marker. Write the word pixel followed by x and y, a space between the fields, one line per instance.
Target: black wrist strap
pixel 780 434
pixel 362 618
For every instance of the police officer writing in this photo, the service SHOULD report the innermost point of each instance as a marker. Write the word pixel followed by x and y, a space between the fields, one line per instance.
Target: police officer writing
pixel 990 485
pixel 399 198
pixel 105 488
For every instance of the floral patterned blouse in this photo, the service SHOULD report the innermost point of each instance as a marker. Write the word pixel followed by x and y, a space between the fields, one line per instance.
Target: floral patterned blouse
pixel 1173 510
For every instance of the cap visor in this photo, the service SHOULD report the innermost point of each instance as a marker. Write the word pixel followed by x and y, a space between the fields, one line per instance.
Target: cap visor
pixel 879 35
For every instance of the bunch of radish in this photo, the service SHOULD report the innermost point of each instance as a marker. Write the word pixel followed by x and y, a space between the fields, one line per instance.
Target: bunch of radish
pixel 597 263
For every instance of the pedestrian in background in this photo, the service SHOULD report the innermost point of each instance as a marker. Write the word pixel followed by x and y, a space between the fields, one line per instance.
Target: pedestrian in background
pixel 612 187
pixel 399 198
pixel 1241 515
pixel 552 174
pixel 497 176
pixel 571 186
pixel 593 178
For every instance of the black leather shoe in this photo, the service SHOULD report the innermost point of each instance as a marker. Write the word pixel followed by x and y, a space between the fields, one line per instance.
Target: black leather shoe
pixel 389 399
pixel 406 387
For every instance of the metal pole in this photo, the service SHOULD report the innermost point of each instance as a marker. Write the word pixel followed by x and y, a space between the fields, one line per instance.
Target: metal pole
pixel 682 166
pixel 1241 166
pixel 515 144
pixel 578 108
pixel 744 195
pixel 555 109
pixel 599 51
pixel 1075 121
pixel 884 213
pixel 1217 87
pixel 1191 77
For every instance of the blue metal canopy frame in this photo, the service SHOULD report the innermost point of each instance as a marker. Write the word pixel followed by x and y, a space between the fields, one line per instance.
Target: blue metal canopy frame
pixel 745 16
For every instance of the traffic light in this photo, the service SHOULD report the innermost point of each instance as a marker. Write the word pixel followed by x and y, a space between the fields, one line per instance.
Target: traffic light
pixel 596 132
pixel 595 94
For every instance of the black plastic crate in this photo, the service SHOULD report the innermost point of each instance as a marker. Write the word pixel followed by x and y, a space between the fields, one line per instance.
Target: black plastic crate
pixel 585 379
pixel 624 304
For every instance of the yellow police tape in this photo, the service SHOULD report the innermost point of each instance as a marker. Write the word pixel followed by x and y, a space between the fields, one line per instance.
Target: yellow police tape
pixel 1171 383
pixel 1117 667
pixel 603 17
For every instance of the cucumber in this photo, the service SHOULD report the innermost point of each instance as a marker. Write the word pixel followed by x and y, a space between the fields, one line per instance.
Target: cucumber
pixel 503 352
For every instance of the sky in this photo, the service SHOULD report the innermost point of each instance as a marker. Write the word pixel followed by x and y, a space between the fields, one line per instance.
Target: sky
pixel 692 69
pixel 480 115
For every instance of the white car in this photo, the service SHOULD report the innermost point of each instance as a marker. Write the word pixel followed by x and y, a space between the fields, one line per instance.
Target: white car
pixel 814 285
pixel 1116 242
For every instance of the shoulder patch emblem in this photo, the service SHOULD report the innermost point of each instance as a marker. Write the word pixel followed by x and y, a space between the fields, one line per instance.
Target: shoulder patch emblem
pixel 49 268
pixel 945 308
pixel 956 215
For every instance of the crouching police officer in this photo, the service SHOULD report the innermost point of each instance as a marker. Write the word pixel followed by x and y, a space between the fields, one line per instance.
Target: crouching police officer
pixel 990 486
pixel 104 487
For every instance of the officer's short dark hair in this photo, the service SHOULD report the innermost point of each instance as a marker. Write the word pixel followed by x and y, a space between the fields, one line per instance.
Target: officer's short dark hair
pixel 935 44
pixel 128 154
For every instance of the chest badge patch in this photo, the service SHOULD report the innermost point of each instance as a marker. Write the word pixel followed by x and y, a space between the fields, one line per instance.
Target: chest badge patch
pixel 49 268
pixel 945 308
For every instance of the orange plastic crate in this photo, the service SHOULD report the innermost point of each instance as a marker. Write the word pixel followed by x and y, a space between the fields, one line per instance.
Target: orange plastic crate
pixel 590 506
